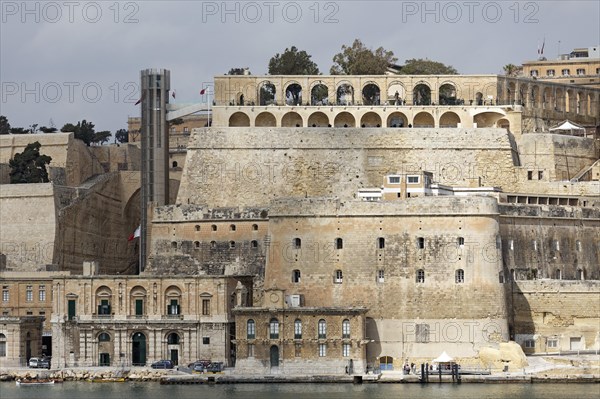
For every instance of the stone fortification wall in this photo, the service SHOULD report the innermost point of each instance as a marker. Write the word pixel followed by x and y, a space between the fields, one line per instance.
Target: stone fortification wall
pixel 118 157
pixel 565 312
pixel 95 226
pixel 546 241
pixel 250 166
pixel 29 221
pixel 451 241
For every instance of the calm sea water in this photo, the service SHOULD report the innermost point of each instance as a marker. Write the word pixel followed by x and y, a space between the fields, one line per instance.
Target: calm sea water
pixel 130 390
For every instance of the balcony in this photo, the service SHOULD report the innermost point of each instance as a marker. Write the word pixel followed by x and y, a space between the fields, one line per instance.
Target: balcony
pixel 172 317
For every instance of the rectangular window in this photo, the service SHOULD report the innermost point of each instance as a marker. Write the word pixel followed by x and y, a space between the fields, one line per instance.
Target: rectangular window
pixel 5 294
pixel 71 310
pixel 529 175
pixel 552 343
pixel 29 293
pixel 42 293
pixel 2 348
pixel 380 276
pixel 550 72
pixel 104 307
pixel 529 343
pixel 250 350
pixel 412 179
pixel 394 179
pixel 346 350
pixel 322 350
pixel 173 307
pixel 540 175
pixel 139 307
pixel 296 276
pixel 533 72
pixel 580 71
pixel 205 340
pixel 566 72
pixel 422 333
pixel 461 242
pixel 420 243
pixel 338 277
pixel 206 307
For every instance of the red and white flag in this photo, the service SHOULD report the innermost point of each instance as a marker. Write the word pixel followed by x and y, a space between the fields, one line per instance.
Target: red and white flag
pixel 135 234
pixel 202 92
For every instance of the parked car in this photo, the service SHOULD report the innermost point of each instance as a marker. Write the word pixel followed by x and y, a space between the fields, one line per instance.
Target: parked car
pixel 199 365
pixel 33 362
pixel 44 363
pixel 215 367
pixel 162 364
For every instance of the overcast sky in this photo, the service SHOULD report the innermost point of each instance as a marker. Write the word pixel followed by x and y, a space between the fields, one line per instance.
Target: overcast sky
pixel 70 60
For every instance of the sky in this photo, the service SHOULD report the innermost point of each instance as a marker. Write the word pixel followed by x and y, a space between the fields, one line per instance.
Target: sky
pixel 64 61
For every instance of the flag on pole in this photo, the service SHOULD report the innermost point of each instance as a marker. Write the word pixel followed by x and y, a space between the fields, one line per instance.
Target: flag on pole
pixel 135 234
pixel 173 94
pixel 543 44
pixel 202 92
pixel 141 98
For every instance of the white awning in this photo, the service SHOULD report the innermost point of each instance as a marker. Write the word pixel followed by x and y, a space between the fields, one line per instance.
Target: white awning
pixel 443 358
pixel 567 125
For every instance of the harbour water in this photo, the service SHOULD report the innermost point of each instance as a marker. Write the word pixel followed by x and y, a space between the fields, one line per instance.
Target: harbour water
pixel 153 390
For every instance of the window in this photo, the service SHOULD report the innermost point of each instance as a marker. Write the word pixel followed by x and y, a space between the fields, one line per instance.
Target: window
pixel 42 293
pixel 197 244
pixel 322 350
pixel 5 294
pixel 174 244
pixel 381 243
pixel 274 329
pixel 557 245
pixel 103 337
pixel 205 340
pixel 232 227
pixel 213 245
pixel 104 307
pixel 580 71
pixel 297 329
pixel 139 307
pixel 566 72
pixel 420 243
pixel 578 245
pixel 338 277
pixel 461 242
pixel 296 276
pixel 297 243
pixel 459 276
pixel 580 274
pixel 29 293
pixel 298 350
pixel 2 345
pixel 394 179
pixel 206 307
pixel 250 350
pixel 534 245
pixel 529 175
pixel 511 245
pixel 557 274
pixel 346 328
pixel 533 72
pixel 550 72
pixel 339 243
pixel 173 307
pixel 380 276
pixel 322 329
pixel 213 227
pixel 71 309
pixel 552 343
pixel 254 227
pixel 231 244
pixel 250 329
pixel 422 333
pixel 420 276
pixel 412 179
pixel 173 339
pixel 540 175
pixel 254 244
pixel 501 278
pixel 346 350
pixel 197 227
pixel 529 343
pixel 174 164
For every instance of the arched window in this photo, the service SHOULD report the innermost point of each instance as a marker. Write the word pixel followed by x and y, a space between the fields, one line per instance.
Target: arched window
pixel 420 276
pixel 459 276
pixel 346 328
pixel 103 337
pixel 197 227
pixel 255 227
pixel 213 227
pixel 557 274
pixel 174 244
pixel 253 244
pixel 322 329
pixel 381 243
pixel 250 329
pixel 173 339
pixel 232 227
pixel 296 276
pixel 274 329
pixel 232 244
pixel 2 345
pixel 337 278
pixel 213 245
pixel 197 244
pixel 580 274
pixel 339 243
pixel 174 164
pixel 297 243
pixel 297 329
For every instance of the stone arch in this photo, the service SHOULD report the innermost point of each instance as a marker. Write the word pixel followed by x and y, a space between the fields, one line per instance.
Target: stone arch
pixel 503 123
pixel 449 119
pixel 560 99
pixel 548 98
pixel 239 119
pixel 535 96
pixel 344 93
pixel 479 98
pixel 396 93
pixel 423 119
pixel 397 119
pixel 581 103
pixel 105 348
pixel 265 119
pixel 511 92
pixel 344 119
pixel 590 104
pixel 447 94
pixel 487 119
pixel 293 93
pixel 571 101
pixel 292 119
pixel 137 300
pixel 173 300
pixel 139 349
pixel 319 94
pixel 422 94
pixel 266 93
pixel 371 94
pixel 318 119
pixel 370 119
pixel 240 99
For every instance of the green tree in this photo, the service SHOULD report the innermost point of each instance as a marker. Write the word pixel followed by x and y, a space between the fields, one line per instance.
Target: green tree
pixel 4 125
pixel 19 130
pixel 292 62
pixel 426 67
pixel 122 136
pixel 360 60
pixel 84 131
pixel 48 129
pixel 512 70
pixel 29 166
pixel 239 71
pixel 101 137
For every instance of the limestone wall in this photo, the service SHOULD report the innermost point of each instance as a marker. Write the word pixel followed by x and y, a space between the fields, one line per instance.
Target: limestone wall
pixel 251 166
pixel 29 225
pixel 562 311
